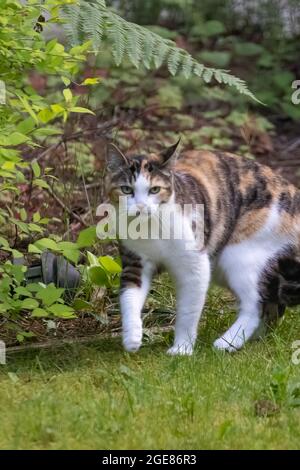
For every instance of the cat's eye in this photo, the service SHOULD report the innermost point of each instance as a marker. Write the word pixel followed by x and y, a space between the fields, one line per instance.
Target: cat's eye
pixel 126 189
pixel 154 190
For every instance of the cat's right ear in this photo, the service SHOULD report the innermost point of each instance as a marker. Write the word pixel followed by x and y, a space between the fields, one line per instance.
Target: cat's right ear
pixel 115 159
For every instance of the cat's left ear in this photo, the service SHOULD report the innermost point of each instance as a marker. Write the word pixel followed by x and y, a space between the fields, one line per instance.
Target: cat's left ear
pixel 168 154
pixel 115 159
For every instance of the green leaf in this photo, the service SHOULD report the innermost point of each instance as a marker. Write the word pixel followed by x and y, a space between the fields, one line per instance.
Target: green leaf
pixel 67 95
pixel 110 264
pixel 36 168
pixel 46 243
pixel 16 138
pixel 92 259
pixel 34 249
pixel 87 237
pixel 40 183
pixel 72 255
pixel 98 276
pixel 78 109
pixel 28 108
pixel 29 304
pixel 45 115
pixel 66 81
pixel 49 294
pixel 39 312
pixel 67 246
pixel 4 242
pixel 80 304
pixel 62 311
pixel 23 214
pixel 26 126
pixel 23 291
pixel 35 228
pixel 91 81
pixel 45 131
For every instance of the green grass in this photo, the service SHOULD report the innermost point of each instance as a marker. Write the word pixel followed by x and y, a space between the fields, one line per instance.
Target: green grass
pixel 98 397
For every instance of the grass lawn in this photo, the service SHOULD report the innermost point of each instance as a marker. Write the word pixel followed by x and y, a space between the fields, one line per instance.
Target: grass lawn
pixel 98 397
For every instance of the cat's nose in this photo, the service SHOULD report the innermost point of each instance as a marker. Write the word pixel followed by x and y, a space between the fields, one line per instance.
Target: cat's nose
pixel 140 207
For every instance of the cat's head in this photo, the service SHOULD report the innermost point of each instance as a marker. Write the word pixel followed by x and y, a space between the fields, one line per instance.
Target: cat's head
pixel 146 181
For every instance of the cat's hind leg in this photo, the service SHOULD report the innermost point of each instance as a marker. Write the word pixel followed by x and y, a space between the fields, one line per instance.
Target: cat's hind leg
pixel 246 325
pixel 243 280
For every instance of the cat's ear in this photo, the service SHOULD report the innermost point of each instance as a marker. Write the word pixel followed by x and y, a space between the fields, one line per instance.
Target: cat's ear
pixel 115 159
pixel 169 153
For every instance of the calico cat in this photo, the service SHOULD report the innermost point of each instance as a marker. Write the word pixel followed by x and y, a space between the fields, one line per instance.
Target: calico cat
pixel 251 240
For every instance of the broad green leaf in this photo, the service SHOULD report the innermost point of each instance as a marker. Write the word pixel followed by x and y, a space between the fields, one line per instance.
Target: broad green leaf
pixel 46 243
pixel 35 228
pixel 62 311
pixel 26 126
pixel 110 264
pixel 40 183
pixel 34 249
pixel 80 304
pixel 67 246
pixel 8 166
pixel 98 275
pixel 23 291
pixel 49 294
pixel 39 312
pixel 72 255
pixel 16 138
pixel 29 304
pixel 45 115
pixel 45 131
pixel 87 237
pixel 3 242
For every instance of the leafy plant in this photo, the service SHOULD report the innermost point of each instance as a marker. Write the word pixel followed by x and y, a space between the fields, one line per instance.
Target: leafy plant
pixel 37 299
pixel 103 271
pixel 26 118
pixel 95 21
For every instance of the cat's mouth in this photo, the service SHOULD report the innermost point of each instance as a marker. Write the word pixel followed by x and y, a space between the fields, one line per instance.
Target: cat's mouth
pixel 143 212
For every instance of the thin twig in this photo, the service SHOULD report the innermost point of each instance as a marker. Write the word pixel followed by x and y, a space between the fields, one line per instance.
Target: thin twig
pixel 66 208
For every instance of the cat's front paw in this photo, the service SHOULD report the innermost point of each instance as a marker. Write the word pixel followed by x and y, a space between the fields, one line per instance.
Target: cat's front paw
pixel 181 350
pixel 132 343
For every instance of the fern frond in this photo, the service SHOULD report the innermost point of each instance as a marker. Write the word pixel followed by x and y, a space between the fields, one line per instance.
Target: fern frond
pixel 117 35
pixel 148 46
pixel 72 26
pixel 134 45
pixel 93 20
pixel 187 66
